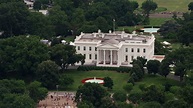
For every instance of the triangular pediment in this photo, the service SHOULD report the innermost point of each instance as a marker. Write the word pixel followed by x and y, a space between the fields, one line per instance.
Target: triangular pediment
pixel 108 46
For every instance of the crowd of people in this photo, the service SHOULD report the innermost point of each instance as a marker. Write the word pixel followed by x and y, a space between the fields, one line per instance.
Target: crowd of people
pixel 58 100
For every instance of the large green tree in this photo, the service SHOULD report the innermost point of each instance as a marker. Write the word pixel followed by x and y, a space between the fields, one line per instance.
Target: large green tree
pixel 108 82
pixel 59 20
pixel 40 25
pixel 164 69
pixel 92 93
pixel 64 55
pixel 153 66
pixel 21 55
pixel 136 72
pixel 175 104
pixel 120 96
pixel 13 18
pixel 36 91
pixel 152 104
pixel 169 29
pixel 48 73
pixel 147 6
pixel 153 93
pixel 15 94
pixel 190 6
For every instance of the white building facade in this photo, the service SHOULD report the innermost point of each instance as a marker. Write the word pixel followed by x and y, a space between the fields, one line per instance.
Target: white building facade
pixel 114 49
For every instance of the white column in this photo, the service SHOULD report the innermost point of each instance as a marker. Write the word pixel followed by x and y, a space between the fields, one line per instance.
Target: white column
pixel 104 57
pixel 117 57
pixel 98 60
pixel 111 62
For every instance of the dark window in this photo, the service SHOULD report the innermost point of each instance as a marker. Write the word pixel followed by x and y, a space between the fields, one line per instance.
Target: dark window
pixel 95 56
pixel 126 58
pixel 144 50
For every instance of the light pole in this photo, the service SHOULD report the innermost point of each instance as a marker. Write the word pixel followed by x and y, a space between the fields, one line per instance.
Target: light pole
pixel 57 92
pixel 57 89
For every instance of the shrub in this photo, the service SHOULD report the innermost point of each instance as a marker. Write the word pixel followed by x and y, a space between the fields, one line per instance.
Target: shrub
pixel 128 87
pixel 120 96
pixel 152 105
pixel 142 86
pixel 135 96
pixel 118 69
pixel 175 89
pixel 131 80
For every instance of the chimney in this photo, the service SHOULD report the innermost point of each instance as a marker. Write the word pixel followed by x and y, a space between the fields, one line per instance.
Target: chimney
pixel 99 31
pixel 131 36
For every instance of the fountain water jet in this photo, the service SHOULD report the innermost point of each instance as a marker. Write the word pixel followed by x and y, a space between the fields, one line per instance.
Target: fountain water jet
pixel 93 80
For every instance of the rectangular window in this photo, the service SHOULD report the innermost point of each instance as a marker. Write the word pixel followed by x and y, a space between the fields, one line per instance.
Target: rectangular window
pixel 132 50
pixel 78 47
pixel 95 56
pixel 138 50
pixel 144 50
pixel 126 49
pixel 132 57
pixel 85 56
pixel 84 48
pixel 90 48
pixel 126 58
pixel 90 56
pixel 95 48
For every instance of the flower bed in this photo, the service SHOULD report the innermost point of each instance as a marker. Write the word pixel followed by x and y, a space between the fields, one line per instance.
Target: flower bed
pixel 93 80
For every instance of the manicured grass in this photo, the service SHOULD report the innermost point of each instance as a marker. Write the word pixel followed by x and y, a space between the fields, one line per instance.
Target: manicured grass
pixel 153 22
pixel 69 38
pixel 155 80
pixel 171 5
pixel 158 21
pixel 119 79
pixel 176 45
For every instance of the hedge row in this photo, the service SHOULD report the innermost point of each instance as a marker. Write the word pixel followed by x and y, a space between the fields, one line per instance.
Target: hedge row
pixel 148 26
pixel 118 69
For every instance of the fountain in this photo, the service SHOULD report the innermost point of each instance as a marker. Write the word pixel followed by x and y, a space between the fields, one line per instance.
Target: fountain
pixel 150 30
pixel 93 80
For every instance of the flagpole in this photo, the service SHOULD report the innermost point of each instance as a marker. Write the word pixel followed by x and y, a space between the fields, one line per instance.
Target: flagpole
pixel 114 25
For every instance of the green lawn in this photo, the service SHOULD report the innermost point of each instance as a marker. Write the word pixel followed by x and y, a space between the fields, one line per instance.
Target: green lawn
pixel 158 21
pixel 119 79
pixel 69 38
pixel 155 80
pixel 153 22
pixel 171 5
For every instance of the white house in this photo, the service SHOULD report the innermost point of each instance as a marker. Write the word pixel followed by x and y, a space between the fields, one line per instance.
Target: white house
pixel 114 49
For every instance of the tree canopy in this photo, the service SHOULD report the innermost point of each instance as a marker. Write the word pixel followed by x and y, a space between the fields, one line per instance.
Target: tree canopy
pixel 21 55
pixel 15 94
pixel 92 93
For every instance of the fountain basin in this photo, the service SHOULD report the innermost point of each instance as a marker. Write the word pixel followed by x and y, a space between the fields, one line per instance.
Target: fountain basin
pixel 150 30
pixel 93 80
